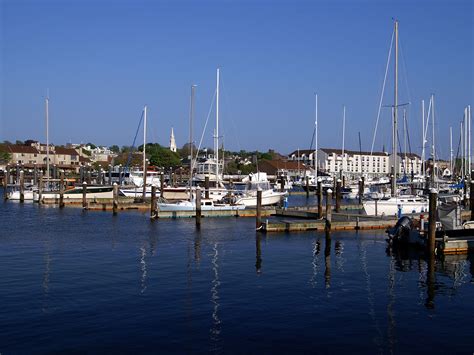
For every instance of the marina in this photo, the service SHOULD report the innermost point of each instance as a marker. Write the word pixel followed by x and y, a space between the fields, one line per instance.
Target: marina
pixel 236 177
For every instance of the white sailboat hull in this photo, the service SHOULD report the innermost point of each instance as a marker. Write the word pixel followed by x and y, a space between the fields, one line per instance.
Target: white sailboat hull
pixel 269 198
pixel 392 206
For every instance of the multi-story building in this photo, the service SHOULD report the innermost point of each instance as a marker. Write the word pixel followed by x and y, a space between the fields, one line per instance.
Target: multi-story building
pixel 333 161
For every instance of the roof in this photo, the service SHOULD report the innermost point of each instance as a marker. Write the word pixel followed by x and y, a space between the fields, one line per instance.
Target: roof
pixel 351 152
pixel 301 152
pixel 28 149
pixel 66 151
pixel 281 164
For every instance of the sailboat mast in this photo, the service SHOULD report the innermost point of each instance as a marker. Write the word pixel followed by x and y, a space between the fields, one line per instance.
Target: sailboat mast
pixel 433 138
pixel 469 140
pixel 395 106
pixel 47 136
pixel 462 150
pixel 423 137
pixel 144 144
pixel 465 143
pixel 451 150
pixel 191 116
pixel 343 133
pixel 316 139
pixel 217 129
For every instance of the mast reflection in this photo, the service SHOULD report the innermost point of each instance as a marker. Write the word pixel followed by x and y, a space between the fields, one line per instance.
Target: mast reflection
pixel 327 260
pixel 258 258
pixel 216 322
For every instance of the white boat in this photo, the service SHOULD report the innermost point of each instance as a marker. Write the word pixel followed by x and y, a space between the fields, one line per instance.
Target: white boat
pixel 75 193
pixel 28 195
pixel 152 178
pixel 254 183
pixel 206 205
pixel 395 205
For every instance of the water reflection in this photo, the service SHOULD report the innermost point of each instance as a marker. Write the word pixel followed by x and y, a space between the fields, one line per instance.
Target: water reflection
pixel 216 322
pixel 143 268
pixel 339 251
pixel 46 276
pixel 258 257
pixel 327 260
pixel 315 261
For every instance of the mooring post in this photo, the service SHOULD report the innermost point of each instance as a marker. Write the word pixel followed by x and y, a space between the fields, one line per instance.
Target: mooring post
pixel 22 186
pixel 206 187
pixel 259 209
pixel 89 174
pixel 40 189
pixel 360 191
pixel 153 202
pixel 110 174
pixel 162 185
pixel 5 181
pixel 198 206
pixel 282 184
pixel 35 174
pixel 17 175
pixel 432 221
pixel 61 190
pixel 307 187
pixel 338 195
pixel 392 181
pixel 84 195
pixel 81 172
pixel 471 199
pixel 328 209
pixel 120 175
pixel 320 198
pixel 115 199
pixel 343 180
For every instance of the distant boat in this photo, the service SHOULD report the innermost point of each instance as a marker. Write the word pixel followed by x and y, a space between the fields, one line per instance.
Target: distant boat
pixel 206 205
pixel 76 193
pixel 257 182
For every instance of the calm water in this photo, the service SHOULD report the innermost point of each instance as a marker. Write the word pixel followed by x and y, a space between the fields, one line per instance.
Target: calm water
pixel 74 281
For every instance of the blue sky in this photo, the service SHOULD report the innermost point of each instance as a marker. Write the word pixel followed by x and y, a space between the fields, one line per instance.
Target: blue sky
pixel 103 60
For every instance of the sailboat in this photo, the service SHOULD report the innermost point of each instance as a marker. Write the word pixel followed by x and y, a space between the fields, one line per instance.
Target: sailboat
pixel 395 205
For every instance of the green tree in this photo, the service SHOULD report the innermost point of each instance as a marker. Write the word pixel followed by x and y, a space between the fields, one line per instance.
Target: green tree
pixel 92 145
pixel 115 148
pixel 162 157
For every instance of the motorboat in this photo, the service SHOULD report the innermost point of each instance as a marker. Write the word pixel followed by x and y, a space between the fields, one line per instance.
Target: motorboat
pixel 206 205
pixel 256 182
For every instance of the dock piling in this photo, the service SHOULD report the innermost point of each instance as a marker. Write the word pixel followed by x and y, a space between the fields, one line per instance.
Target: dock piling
pixel 5 181
pixel 22 186
pixel 432 221
pixel 282 184
pixel 328 209
pixel 206 187
pixel 115 199
pixel 338 195
pixel 198 207
pixel 153 202
pixel 259 209
pixel 35 174
pixel 40 188
pixel 307 187
pixel 61 190
pixel 84 195
pixel 162 185
pixel 320 198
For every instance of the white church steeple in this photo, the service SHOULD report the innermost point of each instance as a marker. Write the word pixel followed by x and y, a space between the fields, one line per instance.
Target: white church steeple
pixel 172 141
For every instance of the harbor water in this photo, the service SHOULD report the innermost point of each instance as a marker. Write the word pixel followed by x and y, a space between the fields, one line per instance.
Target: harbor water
pixel 88 282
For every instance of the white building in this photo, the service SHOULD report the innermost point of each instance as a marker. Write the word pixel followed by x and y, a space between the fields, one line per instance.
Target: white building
pixel 332 161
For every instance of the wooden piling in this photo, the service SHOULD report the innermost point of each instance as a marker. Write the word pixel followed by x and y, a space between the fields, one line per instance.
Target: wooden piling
pixel 84 193
pixel 432 221
pixel 120 175
pixel 282 183
pixel 307 187
pixel 110 174
pixel 259 209
pixel 471 199
pixel 338 195
pixel 206 186
pixel 40 189
pixel 115 199
pixel 328 209
pixel 35 174
pixel 320 198
pixel 464 200
pixel 162 184
pixel 5 181
pixel 343 181
pixel 61 190
pixel 153 211
pixel 81 172
pixel 198 207
pixel 22 186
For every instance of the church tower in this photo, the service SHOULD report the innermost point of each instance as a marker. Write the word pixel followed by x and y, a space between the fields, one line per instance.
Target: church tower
pixel 172 141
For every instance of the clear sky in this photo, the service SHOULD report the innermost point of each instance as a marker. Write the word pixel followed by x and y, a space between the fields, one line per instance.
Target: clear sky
pixel 103 60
